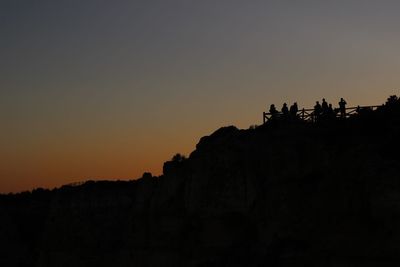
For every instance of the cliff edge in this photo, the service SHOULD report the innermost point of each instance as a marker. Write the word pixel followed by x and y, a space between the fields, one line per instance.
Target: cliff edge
pixel 287 193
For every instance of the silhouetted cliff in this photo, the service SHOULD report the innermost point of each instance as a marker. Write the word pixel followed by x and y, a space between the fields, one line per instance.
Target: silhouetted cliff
pixel 282 194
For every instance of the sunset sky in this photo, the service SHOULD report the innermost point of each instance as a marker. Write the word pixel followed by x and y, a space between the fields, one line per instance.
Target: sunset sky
pixel 96 89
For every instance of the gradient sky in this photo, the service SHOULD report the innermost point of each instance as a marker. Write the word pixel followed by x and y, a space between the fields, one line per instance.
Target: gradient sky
pixel 96 89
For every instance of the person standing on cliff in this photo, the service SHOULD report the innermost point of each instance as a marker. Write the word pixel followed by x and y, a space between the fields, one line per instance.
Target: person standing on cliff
pixel 285 110
pixel 273 111
pixel 331 113
pixel 293 110
pixel 342 108
pixel 317 111
pixel 325 106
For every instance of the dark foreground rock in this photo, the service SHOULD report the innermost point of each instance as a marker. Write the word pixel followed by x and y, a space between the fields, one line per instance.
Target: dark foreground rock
pixel 283 194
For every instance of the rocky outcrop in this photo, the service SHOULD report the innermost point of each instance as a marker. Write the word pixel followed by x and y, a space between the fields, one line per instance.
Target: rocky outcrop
pixel 283 194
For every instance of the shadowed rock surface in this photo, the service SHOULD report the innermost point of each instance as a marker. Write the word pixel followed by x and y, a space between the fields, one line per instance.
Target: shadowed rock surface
pixel 283 194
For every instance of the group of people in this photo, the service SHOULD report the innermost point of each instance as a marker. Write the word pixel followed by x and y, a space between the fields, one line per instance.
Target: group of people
pixel 323 110
pixel 286 112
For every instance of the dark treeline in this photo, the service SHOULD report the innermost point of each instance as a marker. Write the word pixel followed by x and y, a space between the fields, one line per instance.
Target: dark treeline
pixel 286 193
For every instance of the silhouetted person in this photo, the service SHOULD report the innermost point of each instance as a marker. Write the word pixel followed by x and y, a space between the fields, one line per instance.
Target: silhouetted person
pixel 317 111
pixel 342 108
pixel 330 112
pixel 285 110
pixel 273 111
pixel 293 110
pixel 324 106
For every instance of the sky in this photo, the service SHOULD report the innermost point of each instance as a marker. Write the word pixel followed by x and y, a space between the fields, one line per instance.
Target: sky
pixel 96 89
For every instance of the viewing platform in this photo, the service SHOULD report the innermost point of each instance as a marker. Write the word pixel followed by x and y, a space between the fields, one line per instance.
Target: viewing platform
pixel 309 114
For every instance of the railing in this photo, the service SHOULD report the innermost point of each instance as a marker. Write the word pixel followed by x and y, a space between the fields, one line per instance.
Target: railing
pixel 309 114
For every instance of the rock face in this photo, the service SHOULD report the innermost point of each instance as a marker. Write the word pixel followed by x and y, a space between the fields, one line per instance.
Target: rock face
pixel 283 194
